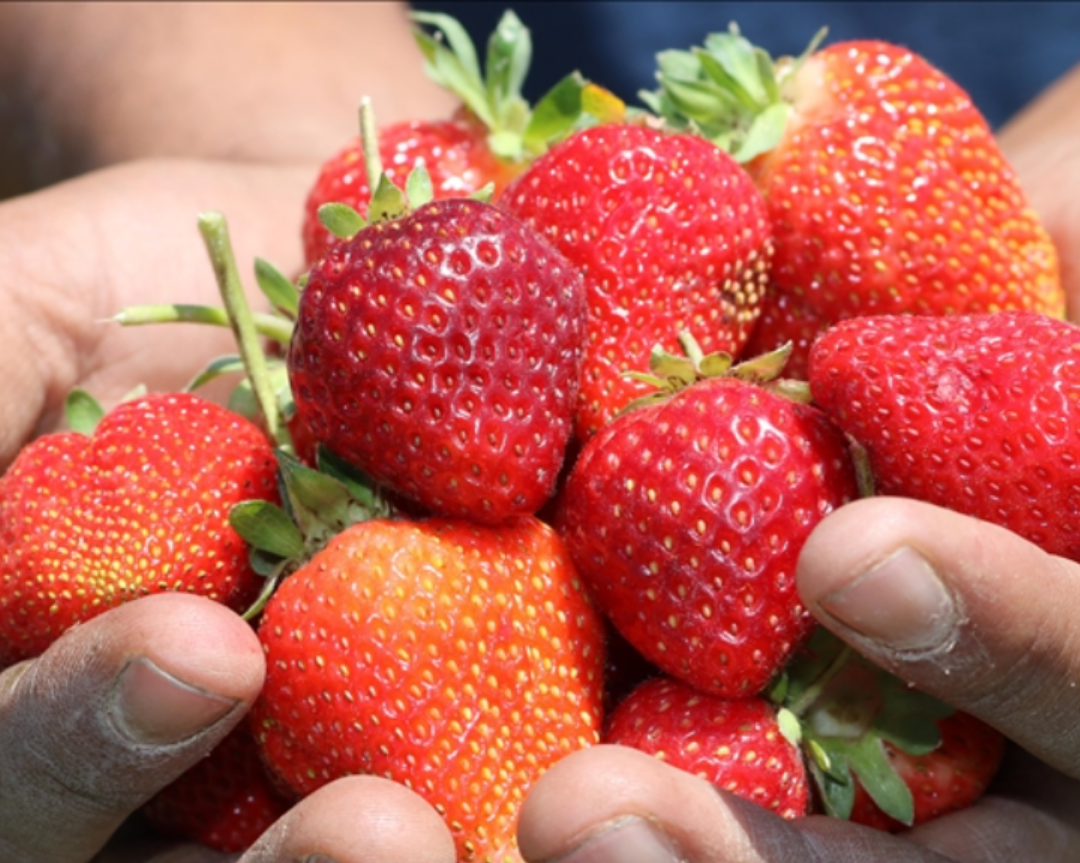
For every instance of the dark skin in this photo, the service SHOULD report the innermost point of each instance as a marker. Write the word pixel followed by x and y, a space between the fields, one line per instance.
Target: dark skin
pixel 124 232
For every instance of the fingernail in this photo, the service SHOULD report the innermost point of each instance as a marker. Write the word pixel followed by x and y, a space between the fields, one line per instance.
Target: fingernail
pixel 901 603
pixel 151 706
pixel 627 840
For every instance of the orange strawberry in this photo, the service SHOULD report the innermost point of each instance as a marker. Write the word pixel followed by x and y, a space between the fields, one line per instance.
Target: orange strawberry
pixel 457 659
pixel 885 187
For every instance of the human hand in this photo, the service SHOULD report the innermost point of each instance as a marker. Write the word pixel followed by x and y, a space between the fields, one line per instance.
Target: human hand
pixel 79 252
pixel 1001 647
pixel 121 705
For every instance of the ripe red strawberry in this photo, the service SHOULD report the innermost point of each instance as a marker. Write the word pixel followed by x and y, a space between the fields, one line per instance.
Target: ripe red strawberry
pixel 970 412
pixel 457 659
pixel 685 518
pixel 670 234
pixel 440 352
pixel 140 506
pixel 885 187
pixel 950 778
pixel 735 744
pixel 454 152
pixel 490 139
pixel 225 802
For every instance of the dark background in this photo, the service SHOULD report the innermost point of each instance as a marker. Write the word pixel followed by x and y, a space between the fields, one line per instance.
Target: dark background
pixel 1003 53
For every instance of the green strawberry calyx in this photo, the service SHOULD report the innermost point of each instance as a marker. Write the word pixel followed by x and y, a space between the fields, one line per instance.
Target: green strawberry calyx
pixel 517 132
pixel 729 91
pixel 843 710
pixel 669 373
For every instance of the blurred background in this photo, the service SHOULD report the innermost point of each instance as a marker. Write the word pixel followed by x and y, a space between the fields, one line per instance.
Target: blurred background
pixel 1002 53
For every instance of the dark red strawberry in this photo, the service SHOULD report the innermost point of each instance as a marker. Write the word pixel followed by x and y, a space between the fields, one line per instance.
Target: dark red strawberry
pixel 440 352
pixel 225 802
pixel 971 412
pixel 735 744
pixel 685 517
pixel 670 235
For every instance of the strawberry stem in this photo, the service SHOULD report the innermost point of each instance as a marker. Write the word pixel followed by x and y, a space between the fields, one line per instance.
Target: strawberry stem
pixel 272 326
pixel 215 232
pixel 370 144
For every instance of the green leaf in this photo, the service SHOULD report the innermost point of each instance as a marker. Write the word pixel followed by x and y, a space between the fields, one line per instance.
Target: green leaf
pixel 341 220
pixel 276 287
pixel 555 114
pixel 362 489
pixel 83 412
pixel 876 774
pixel 739 59
pixel 456 67
pixel 790 726
pixel 461 45
pixel 696 100
pixel 484 194
pixel 678 65
pixel 266 526
pixel 837 790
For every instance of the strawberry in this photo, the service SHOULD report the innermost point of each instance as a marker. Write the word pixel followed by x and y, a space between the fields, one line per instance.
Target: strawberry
pixel 885 187
pixel 458 659
pixel 225 802
pixel 880 752
pixel 137 505
pixel 949 778
pixel 440 352
pixel 969 412
pixel 685 517
pixel 670 235
pixel 489 140
pixel 735 744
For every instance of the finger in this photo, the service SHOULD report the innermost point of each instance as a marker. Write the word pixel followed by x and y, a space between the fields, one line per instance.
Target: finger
pixel 964 610
pixel 112 712
pixel 611 804
pixel 359 819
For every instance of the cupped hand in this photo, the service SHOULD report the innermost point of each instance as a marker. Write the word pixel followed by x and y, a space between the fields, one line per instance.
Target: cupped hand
pixel 962 609
pixel 77 253
pixel 120 706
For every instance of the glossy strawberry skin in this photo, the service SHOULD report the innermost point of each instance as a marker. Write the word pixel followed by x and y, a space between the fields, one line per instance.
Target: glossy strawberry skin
pixel 454 152
pixel 686 517
pixel 949 779
pixel 141 507
pixel 971 412
pixel 457 659
pixel 441 353
pixel 225 802
pixel 889 194
pixel 670 234
pixel 734 744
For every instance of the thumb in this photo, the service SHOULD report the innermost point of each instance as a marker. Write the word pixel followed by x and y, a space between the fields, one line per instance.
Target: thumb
pixel 962 609
pixel 113 711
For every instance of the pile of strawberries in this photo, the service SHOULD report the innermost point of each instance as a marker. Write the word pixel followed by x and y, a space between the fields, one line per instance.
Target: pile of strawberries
pixel 562 393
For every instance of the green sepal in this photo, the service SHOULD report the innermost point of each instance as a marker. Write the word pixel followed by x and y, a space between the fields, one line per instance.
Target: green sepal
pixel 870 764
pixel 555 115
pixel 216 368
pixel 341 220
pixel 455 66
pixel 242 401
pixel 276 287
pixel 267 527
pixel 82 411
pixel 832 776
pixel 387 201
pixel 484 194
pixel 418 188
pixel 363 490
pixel 272 569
